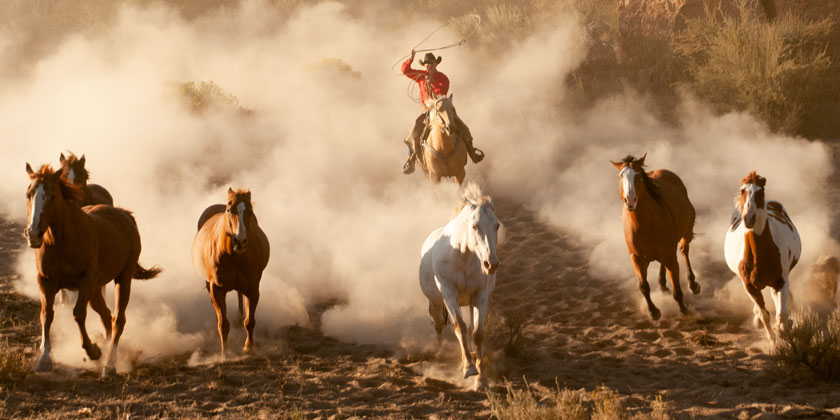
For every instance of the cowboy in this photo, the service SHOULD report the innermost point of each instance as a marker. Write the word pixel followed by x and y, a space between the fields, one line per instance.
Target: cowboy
pixel 432 84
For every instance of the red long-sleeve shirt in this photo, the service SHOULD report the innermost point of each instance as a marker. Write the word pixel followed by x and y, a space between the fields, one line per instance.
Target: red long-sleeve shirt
pixel 439 82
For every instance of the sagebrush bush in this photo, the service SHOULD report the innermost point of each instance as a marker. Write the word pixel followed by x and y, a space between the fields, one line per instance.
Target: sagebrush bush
pixel 777 70
pixel 13 362
pixel 813 341
pixel 602 403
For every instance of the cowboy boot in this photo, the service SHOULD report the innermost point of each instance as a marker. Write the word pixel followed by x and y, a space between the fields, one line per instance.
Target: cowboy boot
pixel 475 154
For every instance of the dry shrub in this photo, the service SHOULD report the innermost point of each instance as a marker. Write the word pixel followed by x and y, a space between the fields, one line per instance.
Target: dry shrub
pixel 778 71
pixel 507 331
pixel 13 362
pixel 203 96
pixel 813 342
pixel 565 404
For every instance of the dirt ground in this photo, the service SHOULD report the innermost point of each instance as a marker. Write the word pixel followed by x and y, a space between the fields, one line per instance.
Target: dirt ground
pixel 578 333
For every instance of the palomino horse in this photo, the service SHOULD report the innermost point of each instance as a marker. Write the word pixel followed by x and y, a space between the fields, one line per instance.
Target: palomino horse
pixel 657 216
pixel 444 153
pixel 81 249
pixel 762 246
pixel 73 168
pixel 230 252
pixel 457 268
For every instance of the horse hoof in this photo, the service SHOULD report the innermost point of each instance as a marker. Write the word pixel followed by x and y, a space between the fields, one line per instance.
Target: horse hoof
pixel 470 371
pixel 683 309
pixel 655 314
pixel 94 353
pixel 480 384
pixel 695 288
pixel 248 349
pixel 44 365
pixel 108 372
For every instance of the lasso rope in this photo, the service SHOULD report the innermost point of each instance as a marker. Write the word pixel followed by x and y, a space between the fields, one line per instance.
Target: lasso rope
pixel 411 83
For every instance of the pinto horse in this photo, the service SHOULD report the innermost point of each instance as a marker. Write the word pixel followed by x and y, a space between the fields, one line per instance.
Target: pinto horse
pixel 81 249
pixel 762 245
pixel 230 252
pixel 73 168
pixel 458 268
pixel 444 152
pixel 657 216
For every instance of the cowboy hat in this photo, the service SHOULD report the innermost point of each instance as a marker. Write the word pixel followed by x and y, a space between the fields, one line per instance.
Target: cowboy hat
pixel 429 57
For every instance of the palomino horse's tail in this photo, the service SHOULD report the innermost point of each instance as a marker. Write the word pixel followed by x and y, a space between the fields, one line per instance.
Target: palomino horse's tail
pixel 141 273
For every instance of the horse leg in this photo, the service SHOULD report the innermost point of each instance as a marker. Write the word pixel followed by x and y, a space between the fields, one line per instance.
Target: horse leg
pixel 217 296
pixel 97 302
pixel 662 283
pixel 47 316
pixel 641 267
pixel 780 298
pixel 692 284
pixel 250 319
pixel 437 313
pixel 80 315
pixel 122 291
pixel 673 267
pixel 480 315
pixel 759 310
pixel 450 299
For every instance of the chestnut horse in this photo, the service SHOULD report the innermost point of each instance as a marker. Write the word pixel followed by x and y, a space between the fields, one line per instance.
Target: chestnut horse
pixel 230 252
pixel 657 216
pixel 761 247
pixel 73 168
pixel 444 152
pixel 81 249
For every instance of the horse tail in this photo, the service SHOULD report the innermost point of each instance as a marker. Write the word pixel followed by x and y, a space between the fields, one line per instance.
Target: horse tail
pixel 141 273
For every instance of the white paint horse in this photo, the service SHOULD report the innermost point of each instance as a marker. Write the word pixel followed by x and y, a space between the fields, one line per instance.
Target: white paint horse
pixel 762 246
pixel 458 268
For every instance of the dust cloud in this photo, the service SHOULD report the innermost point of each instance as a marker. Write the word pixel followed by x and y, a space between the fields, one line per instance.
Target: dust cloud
pixel 321 153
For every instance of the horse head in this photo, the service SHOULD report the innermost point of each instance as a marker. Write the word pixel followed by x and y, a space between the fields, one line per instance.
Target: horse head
pixel 73 168
pixel 47 191
pixel 442 113
pixel 750 201
pixel 482 230
pixel 630 170
pixel 238 212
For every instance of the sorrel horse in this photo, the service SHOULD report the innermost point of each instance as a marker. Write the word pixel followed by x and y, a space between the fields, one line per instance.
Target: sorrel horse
pixel 81 249
pixel 458 268
pixel 73 168
pixel 230 252
pixel 657 216
pixel 444 153
pixel 761 247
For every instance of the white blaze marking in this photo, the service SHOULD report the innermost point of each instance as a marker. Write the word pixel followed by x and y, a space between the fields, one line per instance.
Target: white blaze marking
pixel 627 176
pixel 37 207
pixel 71 176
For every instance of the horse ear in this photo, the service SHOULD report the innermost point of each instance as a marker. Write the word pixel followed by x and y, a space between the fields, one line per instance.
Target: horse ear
pixel 617 164
pixel 248 194
pixel 29 170
pixel 61 158
pixel 641 160
pixel 230 190
pixel 82 160
pixel 451 95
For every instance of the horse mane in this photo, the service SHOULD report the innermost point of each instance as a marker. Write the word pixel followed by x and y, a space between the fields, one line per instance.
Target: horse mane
pixel 651 187
pixel 753 178
pixel 71 159
pixel 472 194
pixel 70 192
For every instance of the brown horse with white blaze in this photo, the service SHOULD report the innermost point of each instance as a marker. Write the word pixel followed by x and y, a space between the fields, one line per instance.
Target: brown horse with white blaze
pixel 657 216
pixel 230 252
pixel 81 249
